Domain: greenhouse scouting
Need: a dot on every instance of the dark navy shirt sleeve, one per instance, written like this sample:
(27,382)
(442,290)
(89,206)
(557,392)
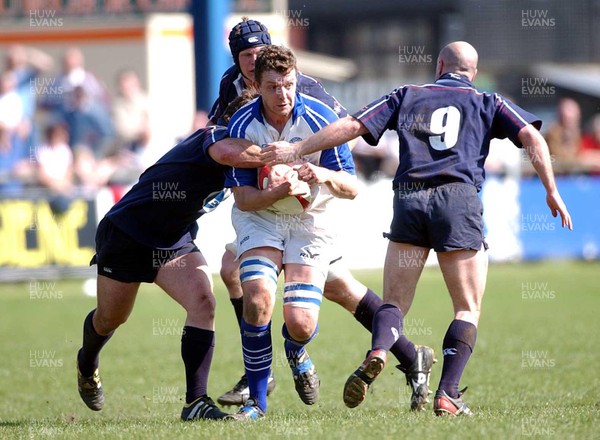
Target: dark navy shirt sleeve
(509,119)
(240,176)
(214,134)
(380,115)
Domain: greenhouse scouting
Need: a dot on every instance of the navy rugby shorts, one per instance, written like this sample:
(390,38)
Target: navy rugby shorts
(123,259)
(443,218)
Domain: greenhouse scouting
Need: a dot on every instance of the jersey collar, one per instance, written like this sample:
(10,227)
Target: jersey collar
(454,80)
(239,84)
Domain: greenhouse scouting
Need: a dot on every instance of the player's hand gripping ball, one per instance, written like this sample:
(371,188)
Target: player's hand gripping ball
(289,205)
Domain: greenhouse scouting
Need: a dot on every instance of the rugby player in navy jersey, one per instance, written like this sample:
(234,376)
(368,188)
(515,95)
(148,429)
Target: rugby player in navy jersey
(246,40)
(436,205)
(148,237)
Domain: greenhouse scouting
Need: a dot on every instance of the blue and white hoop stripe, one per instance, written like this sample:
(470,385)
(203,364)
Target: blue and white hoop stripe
(256,267)
(258,360)
(303,295)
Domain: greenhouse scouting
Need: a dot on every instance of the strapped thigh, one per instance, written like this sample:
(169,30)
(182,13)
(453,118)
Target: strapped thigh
(257,267)
(302,295)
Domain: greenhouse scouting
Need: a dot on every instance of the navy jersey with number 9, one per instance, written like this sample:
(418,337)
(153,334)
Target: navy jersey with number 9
(444,129)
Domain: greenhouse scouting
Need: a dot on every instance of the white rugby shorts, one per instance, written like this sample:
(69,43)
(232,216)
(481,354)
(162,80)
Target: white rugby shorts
(294,235)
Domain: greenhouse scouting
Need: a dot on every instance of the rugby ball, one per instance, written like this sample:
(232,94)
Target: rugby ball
(288,205)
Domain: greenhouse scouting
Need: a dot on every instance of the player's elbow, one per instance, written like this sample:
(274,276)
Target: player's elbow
(242,201)
(529,136)
(225,156)
(351,187)
(345,192)
(244,206)
(350,193)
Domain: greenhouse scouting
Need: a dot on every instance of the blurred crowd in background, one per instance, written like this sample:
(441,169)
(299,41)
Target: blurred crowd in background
(60,129)
(64,131)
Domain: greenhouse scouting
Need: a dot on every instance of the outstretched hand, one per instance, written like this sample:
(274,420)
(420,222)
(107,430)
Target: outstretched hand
(557,206)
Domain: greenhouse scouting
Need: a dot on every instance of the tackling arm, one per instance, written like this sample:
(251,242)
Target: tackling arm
(238,153)
(249,198)
(538,153)
(336,133)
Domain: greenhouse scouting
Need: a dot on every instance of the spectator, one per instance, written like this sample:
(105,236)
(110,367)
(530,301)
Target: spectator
(11,106)
(55,167)
(130,113)
(12,144)
(75,75)
(589,153)
(132,129)
(83,105)
(90,136)
(564,136)
(27,63)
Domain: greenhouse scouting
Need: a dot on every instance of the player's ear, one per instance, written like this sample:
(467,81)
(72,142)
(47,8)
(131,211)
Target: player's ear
(474,75)
(256,85)
(439,68)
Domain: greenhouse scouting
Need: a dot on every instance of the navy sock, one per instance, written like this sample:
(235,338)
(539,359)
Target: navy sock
(87,356)
(458,345)
(197,347)
(258,355)
(295,349)
(366,308)
(387,332)
(238,307)
(403,349)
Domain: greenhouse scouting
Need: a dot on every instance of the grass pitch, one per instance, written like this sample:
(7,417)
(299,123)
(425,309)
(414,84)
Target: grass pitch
(534,372)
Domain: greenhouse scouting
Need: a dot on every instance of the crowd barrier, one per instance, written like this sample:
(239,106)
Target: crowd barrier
(36,243)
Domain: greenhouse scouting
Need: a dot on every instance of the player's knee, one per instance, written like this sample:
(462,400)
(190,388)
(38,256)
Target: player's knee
(258,304)
(229,271)
(300,328)
(202,302)
(256,296)
(302,302)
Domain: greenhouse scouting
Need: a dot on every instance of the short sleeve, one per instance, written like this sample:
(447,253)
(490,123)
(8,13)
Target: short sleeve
(509,119)
(241,177)
(379,116)
(338,159)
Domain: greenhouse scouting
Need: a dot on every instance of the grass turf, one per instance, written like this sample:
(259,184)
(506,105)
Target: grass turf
(533,373)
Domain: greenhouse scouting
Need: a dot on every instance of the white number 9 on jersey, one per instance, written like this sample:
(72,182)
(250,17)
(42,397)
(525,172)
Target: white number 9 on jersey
(448,132)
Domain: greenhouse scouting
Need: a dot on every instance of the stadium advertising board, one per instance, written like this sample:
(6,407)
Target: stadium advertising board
(33,236)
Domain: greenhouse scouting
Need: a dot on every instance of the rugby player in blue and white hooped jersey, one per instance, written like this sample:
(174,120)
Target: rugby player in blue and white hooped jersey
(246,40)
(148,237)
(445,129)
(267,240)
